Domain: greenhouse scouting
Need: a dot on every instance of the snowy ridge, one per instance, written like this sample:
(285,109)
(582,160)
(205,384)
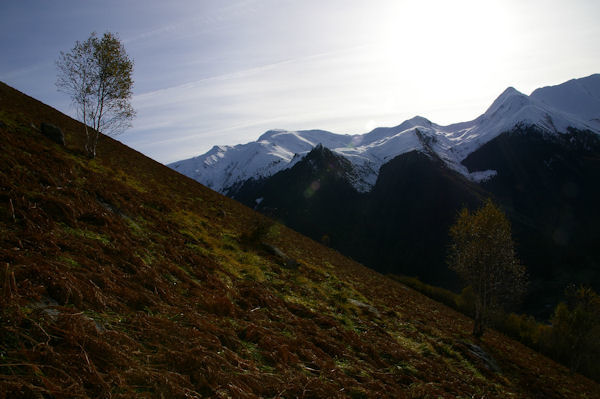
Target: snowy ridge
(578,97)
(575,103)
(224,166)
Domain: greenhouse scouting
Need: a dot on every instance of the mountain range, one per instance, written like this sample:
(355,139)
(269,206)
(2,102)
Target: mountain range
(574,104)
(388,197)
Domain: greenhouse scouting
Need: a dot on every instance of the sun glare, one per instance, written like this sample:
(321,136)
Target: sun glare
(433,47)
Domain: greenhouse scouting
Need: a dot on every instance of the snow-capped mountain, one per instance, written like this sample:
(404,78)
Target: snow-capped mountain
(577,97)
(553,110)
(224,166)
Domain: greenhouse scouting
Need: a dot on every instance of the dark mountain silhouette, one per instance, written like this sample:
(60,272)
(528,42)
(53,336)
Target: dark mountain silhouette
(546,184)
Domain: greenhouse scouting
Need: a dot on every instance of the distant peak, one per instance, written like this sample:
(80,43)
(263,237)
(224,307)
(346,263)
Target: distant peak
(510,91)
(580,97)
(217,148)
(319,151)
(270,133)
(412,123)
(509,99)
(588,82)
(419,120)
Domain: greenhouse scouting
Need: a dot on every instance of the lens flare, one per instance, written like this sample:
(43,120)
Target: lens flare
(312,189)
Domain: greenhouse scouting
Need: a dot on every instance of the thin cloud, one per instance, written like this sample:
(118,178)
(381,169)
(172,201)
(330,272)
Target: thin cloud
(215,72)
(203,18)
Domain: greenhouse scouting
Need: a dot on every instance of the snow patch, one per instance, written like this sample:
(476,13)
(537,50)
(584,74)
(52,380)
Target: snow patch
(482,176)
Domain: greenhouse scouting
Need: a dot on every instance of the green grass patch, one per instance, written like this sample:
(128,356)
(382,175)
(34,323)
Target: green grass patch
(87,234)
(69,261)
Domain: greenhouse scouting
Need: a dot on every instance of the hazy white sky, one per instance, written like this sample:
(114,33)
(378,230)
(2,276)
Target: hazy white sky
(217,72)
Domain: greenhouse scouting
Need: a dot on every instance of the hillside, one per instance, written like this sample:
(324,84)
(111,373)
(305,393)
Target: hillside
(122,278)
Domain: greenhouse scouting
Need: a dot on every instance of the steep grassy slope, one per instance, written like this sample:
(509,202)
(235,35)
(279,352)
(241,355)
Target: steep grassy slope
(121,278)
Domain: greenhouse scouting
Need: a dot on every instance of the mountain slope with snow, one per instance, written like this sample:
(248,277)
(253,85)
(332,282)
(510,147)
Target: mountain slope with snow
(578,97)
(224,166)
(553,110)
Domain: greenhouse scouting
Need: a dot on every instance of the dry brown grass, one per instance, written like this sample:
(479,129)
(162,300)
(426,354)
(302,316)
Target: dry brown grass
(121,278)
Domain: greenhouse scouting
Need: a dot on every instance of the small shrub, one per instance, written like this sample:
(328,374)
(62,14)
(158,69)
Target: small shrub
(262,230)
(442,295)
(466,301)
(523,328)
(575,333)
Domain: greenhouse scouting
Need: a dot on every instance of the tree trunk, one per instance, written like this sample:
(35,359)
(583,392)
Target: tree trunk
(478,319)
(87,141)
(96,135)
(478,328)
(87,132)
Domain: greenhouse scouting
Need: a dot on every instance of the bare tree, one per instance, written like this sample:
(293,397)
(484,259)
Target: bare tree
(97,74)
(482,253)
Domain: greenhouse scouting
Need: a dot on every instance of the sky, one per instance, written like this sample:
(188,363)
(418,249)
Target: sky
(222,72)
